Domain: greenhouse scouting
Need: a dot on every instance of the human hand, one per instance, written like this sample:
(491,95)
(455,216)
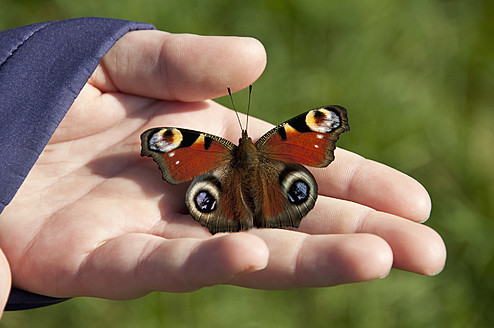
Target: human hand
(94,218)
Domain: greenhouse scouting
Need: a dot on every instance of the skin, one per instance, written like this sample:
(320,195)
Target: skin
(94,218)
(5,281)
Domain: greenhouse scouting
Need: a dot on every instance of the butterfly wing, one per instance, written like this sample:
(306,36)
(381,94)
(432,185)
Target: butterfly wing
(278,195)
(216,200)
(288,192)
(307,139)
(183,154)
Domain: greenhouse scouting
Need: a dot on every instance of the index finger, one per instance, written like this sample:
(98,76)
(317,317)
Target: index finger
(181,67)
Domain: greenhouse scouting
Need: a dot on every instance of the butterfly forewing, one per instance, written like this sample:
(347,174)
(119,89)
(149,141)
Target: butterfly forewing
(307,139)
(183,154)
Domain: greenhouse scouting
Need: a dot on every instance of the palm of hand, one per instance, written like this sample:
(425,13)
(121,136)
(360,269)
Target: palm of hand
(94,218)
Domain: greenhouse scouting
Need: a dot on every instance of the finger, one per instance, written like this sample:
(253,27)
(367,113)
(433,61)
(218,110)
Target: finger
(302,260)
(5,281)
(181,67)
(135,264)
(354,178)
(416,247)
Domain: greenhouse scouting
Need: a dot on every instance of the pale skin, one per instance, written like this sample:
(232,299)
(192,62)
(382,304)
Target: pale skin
(94,218)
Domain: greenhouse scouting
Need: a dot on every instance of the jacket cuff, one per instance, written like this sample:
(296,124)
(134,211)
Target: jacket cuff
(43,67)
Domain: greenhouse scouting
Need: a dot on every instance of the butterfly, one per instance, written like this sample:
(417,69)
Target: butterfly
(261,184)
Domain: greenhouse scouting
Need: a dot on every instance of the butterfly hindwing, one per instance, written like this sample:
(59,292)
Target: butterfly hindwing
(215,200)
(287,197)
(279,195)
(307,139)
(183,154)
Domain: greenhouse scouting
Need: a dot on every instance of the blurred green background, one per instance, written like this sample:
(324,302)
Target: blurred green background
(418,80)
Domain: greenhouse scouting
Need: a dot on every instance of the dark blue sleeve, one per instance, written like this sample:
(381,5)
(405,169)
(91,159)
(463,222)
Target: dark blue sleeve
(43,67)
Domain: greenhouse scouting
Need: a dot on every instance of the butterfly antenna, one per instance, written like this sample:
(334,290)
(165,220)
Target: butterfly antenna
(248,109)
(235,109)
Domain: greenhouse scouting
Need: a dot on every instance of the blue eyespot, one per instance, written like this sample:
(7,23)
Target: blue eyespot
(205,202)
(299,192)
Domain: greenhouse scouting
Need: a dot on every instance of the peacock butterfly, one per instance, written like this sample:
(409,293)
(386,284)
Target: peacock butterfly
(262,184)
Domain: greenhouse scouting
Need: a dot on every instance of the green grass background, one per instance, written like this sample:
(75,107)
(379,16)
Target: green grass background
(418,80)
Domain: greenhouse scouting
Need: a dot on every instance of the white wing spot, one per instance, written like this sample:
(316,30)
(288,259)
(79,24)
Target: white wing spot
(316,146)
(320,136)
(171,154)
(177,162)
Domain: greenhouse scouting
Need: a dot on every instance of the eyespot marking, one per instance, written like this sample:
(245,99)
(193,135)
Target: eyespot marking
(299,192)
(204,201)
(165,140)
(322,120)
(203,196)
(296,186)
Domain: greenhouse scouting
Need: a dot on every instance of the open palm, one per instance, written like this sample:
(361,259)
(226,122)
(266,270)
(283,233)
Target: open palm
(94,218)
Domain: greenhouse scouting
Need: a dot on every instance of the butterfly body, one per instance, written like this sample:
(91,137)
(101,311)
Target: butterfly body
(260,184)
